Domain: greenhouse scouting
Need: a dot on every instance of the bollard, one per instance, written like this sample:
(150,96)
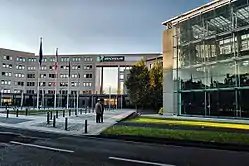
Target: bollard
(17,112)
(47,117)
(85,110)
(66,123)
(51,115)
(75,112)
(63,113)
(26,111)
(85,126)
(54,121)
(69,112)
(7,113)
(56,113)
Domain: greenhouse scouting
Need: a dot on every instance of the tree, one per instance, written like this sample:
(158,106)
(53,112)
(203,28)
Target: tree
(137,84)
(156,85)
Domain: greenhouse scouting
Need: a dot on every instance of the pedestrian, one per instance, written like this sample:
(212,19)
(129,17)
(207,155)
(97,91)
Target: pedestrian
(98,110)
(102,111)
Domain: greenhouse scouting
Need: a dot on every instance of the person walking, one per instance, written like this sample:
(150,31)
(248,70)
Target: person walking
(98,110)
(102,110)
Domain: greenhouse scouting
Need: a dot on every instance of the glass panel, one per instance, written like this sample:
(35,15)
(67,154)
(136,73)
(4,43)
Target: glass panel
(193,103)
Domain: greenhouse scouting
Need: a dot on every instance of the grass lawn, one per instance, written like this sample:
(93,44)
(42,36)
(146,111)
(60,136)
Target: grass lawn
(194,135)
(35,112)
(150,120)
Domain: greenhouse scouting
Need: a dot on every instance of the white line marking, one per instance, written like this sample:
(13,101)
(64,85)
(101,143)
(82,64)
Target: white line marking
(42,147)
(139,161)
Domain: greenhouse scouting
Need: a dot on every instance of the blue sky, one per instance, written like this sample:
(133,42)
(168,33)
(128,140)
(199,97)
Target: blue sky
(88,26)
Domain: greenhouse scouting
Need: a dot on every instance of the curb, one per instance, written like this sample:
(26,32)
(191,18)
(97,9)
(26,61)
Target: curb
(187,143)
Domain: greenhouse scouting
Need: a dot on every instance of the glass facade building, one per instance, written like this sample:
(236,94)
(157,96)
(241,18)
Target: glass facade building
(211,61)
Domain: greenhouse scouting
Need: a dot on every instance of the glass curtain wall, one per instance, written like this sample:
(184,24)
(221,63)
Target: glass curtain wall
(211,62)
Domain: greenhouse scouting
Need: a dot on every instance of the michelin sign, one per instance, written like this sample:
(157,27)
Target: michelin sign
(111,58)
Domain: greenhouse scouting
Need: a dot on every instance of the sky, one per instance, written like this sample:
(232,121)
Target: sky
(88,26)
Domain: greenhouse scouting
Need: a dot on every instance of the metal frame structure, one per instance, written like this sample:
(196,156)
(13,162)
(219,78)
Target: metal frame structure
(211,59)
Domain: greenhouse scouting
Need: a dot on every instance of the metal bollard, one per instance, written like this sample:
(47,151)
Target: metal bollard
(85,126)
(85,110)
(54,121)
(7,113)
(56,113)
(69,112)
(75,112)
(66,123)
(17,112)
(63,113)
(47,117)
(51,115)
(26,111)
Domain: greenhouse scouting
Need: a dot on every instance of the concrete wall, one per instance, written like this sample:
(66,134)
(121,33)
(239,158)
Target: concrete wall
(168,83)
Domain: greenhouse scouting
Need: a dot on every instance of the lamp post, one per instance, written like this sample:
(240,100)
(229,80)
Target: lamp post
(110,91)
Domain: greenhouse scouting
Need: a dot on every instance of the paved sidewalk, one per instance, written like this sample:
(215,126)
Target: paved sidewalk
(76,124)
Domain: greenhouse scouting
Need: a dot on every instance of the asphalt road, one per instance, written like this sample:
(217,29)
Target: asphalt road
(53,150)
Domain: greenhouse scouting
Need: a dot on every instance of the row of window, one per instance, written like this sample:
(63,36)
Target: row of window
(62,59)
(42,91)
(22,67)
(62,84)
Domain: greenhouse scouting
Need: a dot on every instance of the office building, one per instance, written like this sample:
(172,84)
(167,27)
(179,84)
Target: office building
(19,77)
(206,61)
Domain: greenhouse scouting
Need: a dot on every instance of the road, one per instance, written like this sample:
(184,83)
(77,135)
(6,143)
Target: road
(53,150)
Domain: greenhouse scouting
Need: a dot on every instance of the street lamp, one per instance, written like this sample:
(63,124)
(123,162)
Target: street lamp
(110,91)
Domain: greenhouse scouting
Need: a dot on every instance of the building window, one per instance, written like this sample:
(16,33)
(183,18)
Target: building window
(44,60)
(76,67)
(42,83)
(20,59)
(51,67)
(17,91)
(20,67)
(7,65)
(63,75)
(87,84)
(75,75)
(77,59)
(51,75)
(88,67)
(63,84)
(74,84)
(7,57)
(31,68)
(30,75)
(5,90)
(19,83)
(51,92)
(43,75)
(19,75)
(88,75)
(73,92)
(65,67)
(43,68)
(30,83)
(7,74)
(51,84)
(88,59)
(32,59)
(63,91)
(30,91)
(5,82)
(52,59)
(63,59)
